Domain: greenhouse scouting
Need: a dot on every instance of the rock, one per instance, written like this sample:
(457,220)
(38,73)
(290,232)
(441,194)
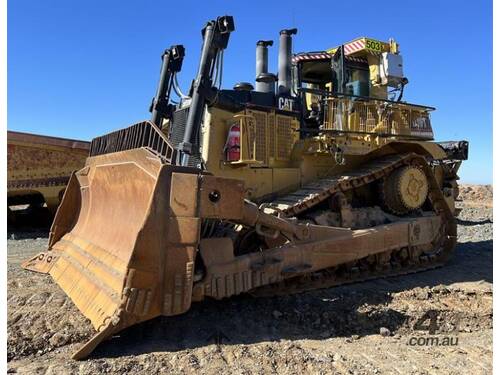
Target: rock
(421,294)
(193,361)
(355,337)
(385,332)
(58,339)
(440,289)
(277,314)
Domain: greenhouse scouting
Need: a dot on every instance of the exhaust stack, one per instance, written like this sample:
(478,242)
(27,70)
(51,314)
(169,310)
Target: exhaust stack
(285,62)
(263,81)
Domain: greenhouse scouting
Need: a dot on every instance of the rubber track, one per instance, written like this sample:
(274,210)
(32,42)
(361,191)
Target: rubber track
(314,193)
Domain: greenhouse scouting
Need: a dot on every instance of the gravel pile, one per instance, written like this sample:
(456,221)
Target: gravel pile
(476,194)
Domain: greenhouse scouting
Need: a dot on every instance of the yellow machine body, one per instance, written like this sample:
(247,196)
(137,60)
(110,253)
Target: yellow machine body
(267,203)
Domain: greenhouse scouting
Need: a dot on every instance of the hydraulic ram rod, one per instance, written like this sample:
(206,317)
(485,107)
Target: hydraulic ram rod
(171,63)
(215,38)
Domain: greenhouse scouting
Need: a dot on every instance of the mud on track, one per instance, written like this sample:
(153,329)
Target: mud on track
(364,328)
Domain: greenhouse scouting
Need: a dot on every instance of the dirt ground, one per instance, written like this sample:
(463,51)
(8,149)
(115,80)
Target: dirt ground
(367,328)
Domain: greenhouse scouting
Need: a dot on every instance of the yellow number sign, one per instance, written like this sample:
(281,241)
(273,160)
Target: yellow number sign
(375,45)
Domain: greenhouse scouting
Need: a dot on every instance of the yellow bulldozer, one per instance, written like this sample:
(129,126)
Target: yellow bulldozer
(317,176)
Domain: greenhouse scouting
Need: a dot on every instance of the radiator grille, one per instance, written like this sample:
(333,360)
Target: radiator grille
(176,135)
(260,136)
(284,135)
(272,136)
(177,126)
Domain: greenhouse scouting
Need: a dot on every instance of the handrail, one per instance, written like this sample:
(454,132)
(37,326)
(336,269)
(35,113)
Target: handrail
(343,115)
(248,140)
(366,98)
(383,135)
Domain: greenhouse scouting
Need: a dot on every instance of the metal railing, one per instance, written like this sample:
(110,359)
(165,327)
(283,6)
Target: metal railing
(366,115)
(377,117)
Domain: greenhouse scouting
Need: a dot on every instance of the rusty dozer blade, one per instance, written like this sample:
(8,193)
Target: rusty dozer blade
(117,248)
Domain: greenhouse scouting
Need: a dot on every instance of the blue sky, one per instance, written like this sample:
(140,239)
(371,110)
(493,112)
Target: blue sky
(79,69)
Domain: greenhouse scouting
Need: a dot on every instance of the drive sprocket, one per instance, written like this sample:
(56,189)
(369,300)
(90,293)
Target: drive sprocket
(405,189)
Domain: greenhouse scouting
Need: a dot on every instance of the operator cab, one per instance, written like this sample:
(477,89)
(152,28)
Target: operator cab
(318,74)
(362,69)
